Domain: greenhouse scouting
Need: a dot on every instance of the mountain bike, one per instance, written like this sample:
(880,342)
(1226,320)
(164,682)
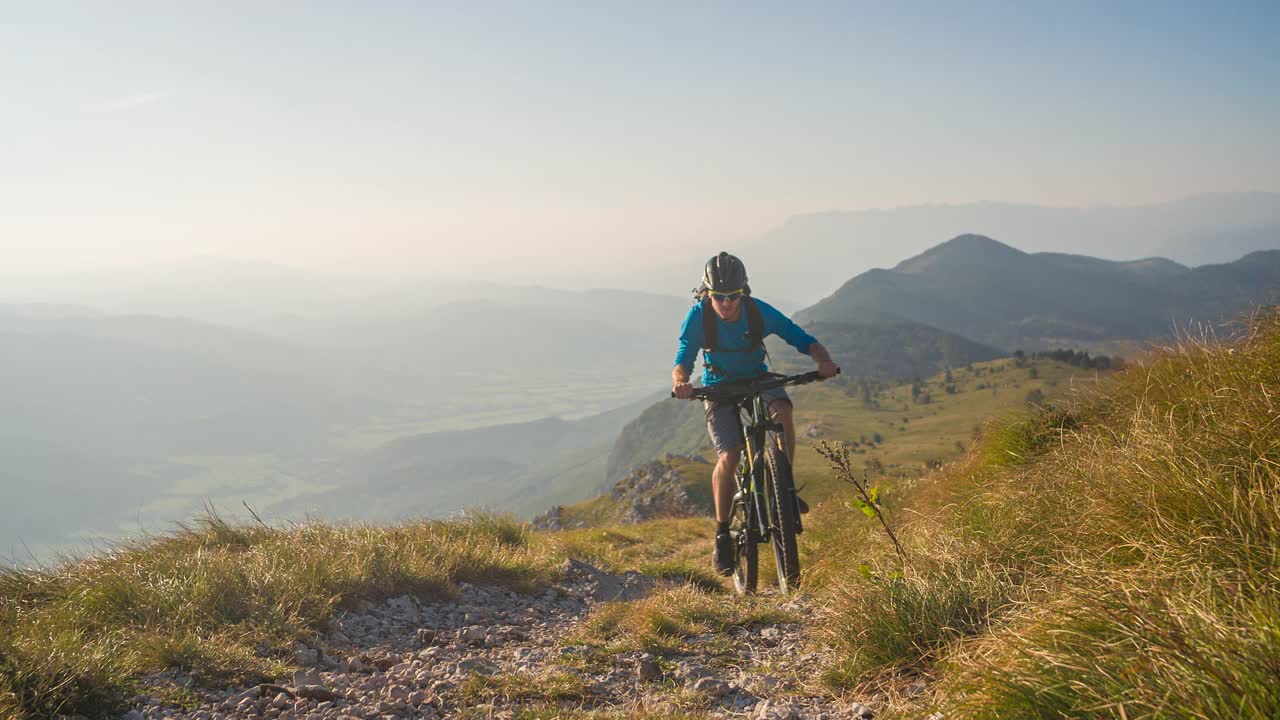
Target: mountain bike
(764,504)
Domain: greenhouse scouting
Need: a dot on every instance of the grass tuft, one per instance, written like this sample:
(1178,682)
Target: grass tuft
(663,622)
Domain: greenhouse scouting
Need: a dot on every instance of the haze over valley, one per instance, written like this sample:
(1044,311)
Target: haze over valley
(135,400)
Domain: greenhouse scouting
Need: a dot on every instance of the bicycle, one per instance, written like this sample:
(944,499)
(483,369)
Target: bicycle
(764,503)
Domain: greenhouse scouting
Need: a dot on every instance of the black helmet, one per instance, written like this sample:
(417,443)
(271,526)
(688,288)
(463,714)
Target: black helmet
(725,273)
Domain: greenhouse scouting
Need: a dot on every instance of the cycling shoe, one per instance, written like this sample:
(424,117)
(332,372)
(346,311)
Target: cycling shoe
(723,555)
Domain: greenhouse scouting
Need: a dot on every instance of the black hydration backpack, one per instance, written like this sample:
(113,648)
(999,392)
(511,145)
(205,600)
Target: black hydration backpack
(755,326)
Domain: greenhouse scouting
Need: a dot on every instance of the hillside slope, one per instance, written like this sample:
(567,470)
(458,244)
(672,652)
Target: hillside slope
(517,467)
(884,347)
(901,431)
(1113,557)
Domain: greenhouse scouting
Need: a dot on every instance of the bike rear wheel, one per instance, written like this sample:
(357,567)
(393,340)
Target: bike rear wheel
(784,517)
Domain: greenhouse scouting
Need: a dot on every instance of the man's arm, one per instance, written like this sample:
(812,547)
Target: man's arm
(687,352)
(826,366)
(680,382)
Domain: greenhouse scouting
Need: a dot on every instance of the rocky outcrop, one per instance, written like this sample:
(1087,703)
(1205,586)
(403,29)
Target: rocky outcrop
(652,491)
(552,519)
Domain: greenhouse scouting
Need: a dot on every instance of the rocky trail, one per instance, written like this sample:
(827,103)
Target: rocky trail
(493,653)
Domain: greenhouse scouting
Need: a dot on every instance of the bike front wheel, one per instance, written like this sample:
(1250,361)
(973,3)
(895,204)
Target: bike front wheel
(746,550)
(784,519)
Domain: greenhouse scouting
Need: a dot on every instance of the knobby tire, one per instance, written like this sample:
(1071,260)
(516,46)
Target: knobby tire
(782,488)
(746,551)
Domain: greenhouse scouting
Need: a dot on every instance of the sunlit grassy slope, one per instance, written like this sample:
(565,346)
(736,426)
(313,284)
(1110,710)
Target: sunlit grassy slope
(904,436)
(913,435)
(1117,557)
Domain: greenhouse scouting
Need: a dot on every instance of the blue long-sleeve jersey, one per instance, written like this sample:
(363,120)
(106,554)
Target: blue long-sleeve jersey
(732,336)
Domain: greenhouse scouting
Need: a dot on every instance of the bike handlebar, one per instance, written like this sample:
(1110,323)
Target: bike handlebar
(740,390)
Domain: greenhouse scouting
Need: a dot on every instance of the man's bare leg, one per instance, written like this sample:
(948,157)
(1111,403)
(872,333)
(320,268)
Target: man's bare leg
(722,484)
(722,488)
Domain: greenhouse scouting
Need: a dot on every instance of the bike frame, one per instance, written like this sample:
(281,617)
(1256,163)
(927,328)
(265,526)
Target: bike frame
(756,425)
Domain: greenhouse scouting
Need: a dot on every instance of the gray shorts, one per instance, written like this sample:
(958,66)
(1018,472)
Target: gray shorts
(722,420)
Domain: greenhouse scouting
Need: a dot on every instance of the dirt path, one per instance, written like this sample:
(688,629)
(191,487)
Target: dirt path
(498,654)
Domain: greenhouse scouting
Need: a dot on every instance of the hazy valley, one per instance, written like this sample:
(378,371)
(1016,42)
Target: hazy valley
(416,401)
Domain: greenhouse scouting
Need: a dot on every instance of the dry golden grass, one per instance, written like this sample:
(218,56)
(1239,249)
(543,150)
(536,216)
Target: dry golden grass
(1119,557)
(225,602)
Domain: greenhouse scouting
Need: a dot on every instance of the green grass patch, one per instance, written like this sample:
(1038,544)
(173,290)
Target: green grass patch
(694,572)
(663,622)
(672,548)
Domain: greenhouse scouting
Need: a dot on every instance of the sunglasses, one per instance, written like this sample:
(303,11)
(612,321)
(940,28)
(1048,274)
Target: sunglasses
(726,296)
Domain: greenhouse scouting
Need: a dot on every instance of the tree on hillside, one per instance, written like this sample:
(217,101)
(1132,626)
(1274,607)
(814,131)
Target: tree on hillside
(1081,359)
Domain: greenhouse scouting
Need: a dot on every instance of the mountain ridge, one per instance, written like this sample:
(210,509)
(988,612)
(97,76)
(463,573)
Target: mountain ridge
(1196,230)
(992,293)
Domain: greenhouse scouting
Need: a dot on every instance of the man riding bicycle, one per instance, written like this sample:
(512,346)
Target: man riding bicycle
(730,326)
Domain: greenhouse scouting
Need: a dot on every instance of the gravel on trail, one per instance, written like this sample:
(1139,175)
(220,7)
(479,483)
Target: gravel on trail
(494,653)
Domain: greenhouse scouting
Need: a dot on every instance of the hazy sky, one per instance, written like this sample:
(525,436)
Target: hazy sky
(413,135)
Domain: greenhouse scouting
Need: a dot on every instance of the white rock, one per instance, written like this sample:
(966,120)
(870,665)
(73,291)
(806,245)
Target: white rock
(648,669)
(859,710)
(767,710)
(712,686)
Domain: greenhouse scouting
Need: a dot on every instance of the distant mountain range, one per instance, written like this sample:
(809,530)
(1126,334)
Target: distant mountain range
(798,262)
(884,347)
(991,293)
